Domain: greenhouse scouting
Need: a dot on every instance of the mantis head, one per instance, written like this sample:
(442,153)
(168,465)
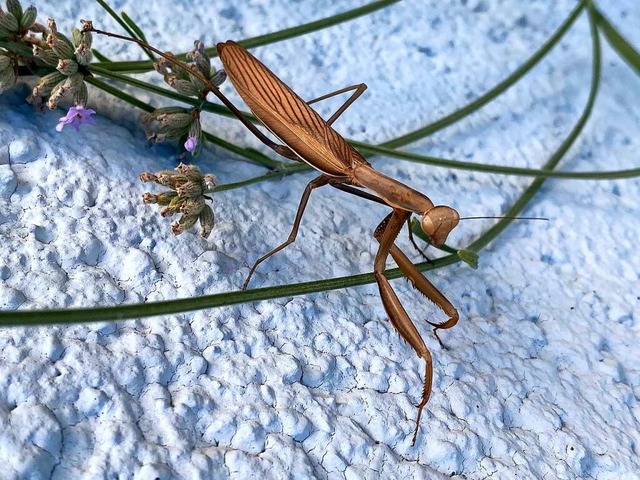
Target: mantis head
(438,221)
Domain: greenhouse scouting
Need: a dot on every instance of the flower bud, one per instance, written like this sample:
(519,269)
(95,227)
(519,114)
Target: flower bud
(86,25)
(219,77)
(51,25)
(76,36)
(4,62)
(184,87)
(184,223)
(7,77)
(169,210)
(195,135)
(14,7)
(192,206)
(46,84)
(46,55)
(67,67)
(56,94)
(81,95)
(38,28)
(148,197)
(209,181)
(207,221)
(189,190)
(200,58)
(28,18)
(175,120)
(61,45)
(83,54)
(166,198)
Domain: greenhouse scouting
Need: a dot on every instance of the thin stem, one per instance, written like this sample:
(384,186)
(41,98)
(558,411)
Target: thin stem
(125,25)
(365,148)
(496,169)
(620,44)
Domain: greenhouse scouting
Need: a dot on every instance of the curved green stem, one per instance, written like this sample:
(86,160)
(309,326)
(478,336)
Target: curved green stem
(620,44)
(365,148)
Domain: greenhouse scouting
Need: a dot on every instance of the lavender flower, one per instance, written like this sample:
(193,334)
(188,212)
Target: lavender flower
(75,117)
(191,144)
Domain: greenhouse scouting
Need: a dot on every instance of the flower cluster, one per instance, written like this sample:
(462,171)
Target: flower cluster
(175,122)
(69,58)
(180,123)
(15,23)
(187,196)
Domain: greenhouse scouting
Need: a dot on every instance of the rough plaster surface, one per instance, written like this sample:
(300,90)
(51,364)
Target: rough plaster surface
(540,379)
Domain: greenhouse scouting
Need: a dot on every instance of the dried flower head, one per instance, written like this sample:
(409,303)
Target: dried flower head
(187,196)
(69,57)
(8,70)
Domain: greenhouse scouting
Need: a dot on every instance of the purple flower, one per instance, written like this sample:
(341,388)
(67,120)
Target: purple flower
(75,117)
(191,144)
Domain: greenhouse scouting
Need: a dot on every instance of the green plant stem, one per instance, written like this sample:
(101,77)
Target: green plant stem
(128,25)
(496,169)
(365,148)
(620,44)
(260,40)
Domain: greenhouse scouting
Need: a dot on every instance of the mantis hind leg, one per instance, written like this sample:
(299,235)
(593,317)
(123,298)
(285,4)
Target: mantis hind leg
(313,184)
(386,234)
(359,90)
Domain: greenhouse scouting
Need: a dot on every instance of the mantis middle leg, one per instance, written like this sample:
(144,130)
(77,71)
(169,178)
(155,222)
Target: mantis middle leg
(313,184)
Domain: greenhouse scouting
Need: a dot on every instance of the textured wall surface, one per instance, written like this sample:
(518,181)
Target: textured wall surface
(540,378)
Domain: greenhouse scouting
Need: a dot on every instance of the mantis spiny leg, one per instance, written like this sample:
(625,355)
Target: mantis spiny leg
(386,234)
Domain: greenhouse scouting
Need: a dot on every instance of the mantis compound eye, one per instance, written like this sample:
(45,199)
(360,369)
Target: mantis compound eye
(438,222)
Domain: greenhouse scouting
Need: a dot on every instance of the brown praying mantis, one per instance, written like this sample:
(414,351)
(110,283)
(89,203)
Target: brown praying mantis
(308,138)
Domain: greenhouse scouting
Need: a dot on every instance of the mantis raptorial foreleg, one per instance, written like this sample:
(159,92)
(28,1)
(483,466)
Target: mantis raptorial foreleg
(386,234)
(421,283)
(313,184)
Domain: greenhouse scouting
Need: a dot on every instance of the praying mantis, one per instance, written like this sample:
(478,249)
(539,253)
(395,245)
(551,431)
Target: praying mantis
(306,137)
